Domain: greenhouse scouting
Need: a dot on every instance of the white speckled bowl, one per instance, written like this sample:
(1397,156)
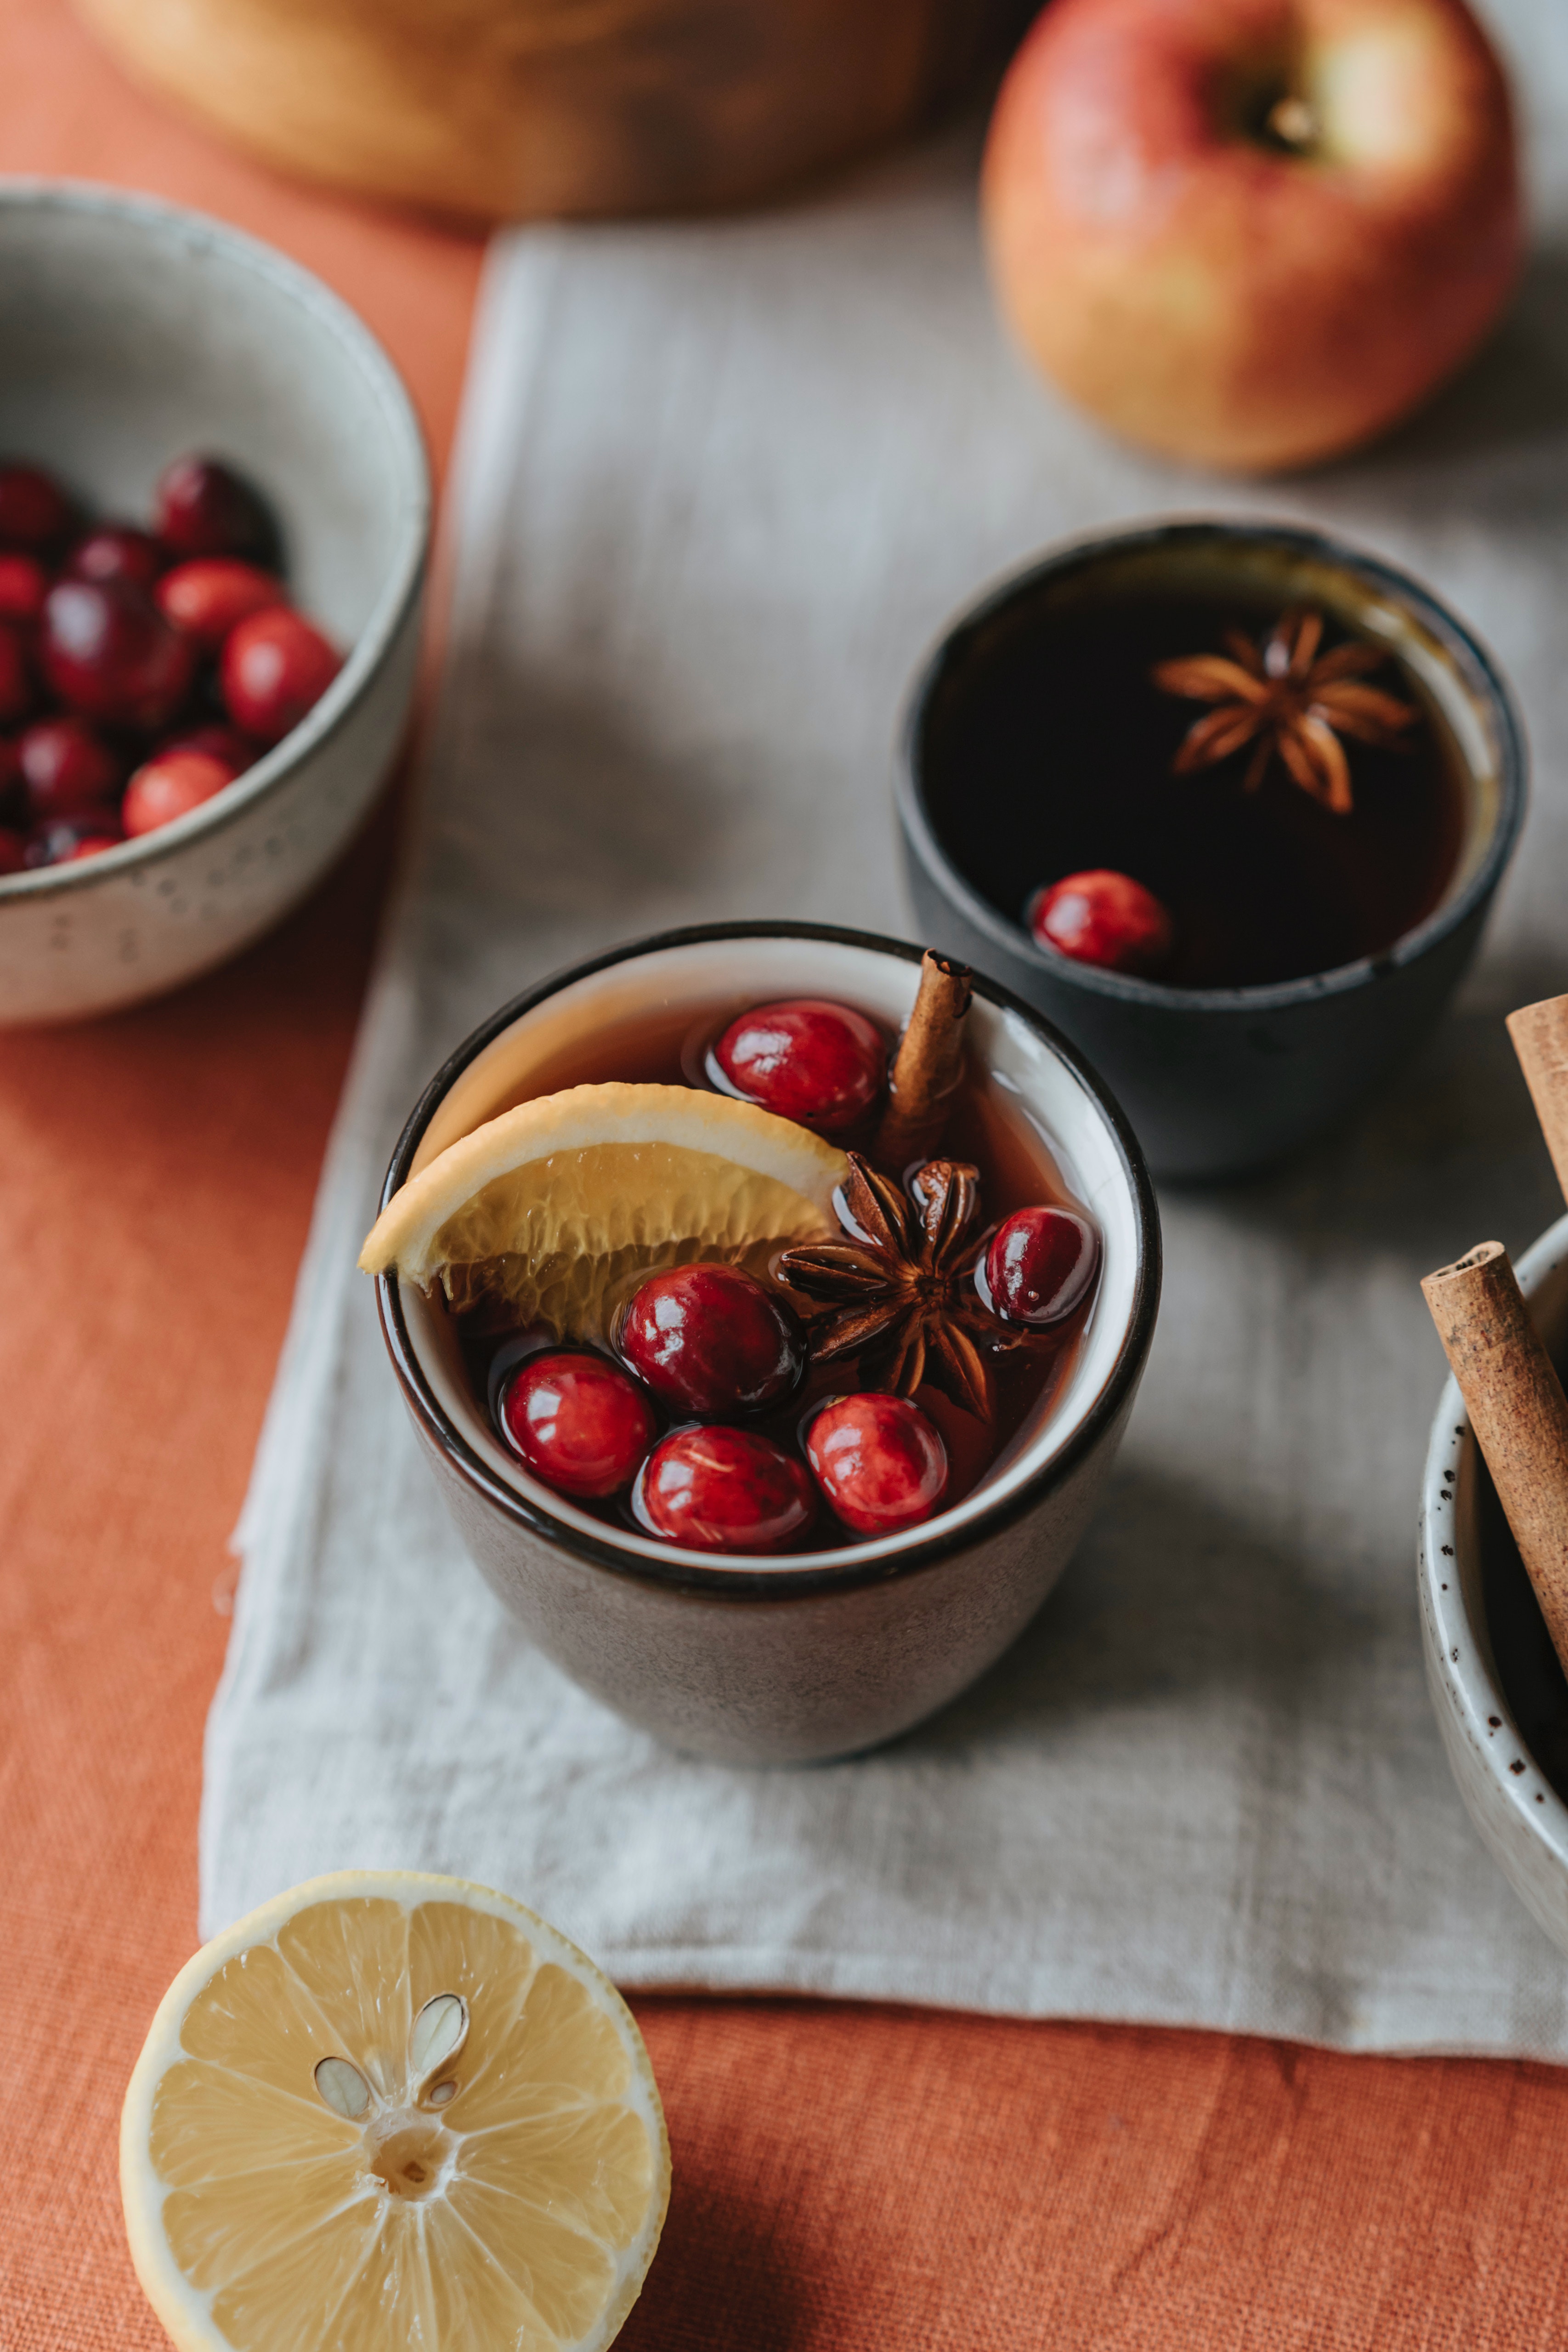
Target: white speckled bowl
(131,331)
(1500,1694)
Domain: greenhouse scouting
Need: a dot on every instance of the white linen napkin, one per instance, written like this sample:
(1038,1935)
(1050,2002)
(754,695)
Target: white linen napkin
(719,486)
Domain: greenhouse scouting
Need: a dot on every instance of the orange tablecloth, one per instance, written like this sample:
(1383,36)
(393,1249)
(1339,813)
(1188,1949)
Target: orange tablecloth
(844,2177)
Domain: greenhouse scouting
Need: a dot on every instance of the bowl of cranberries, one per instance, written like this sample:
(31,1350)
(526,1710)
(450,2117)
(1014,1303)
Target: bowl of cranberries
(1229,803)
(771,1391)
(214,513)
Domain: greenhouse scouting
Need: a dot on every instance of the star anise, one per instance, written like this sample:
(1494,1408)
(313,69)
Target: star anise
(1284,695)
(899,1283)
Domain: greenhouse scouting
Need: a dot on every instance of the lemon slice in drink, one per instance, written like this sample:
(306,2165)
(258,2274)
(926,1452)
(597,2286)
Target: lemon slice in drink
(393,2112)
(556,1208)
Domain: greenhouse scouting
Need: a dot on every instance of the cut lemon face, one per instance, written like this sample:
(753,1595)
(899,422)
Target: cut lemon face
(391,2110)
(556,1209)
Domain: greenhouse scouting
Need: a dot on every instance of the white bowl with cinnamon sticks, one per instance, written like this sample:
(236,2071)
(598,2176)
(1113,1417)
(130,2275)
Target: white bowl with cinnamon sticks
(1493,1554)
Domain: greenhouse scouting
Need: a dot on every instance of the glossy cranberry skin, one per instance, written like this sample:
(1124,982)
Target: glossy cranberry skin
(722,1489)
(236,752)
(212,595)
(202,509)
(34,510)
(68,768)
(1104,919)
(171,786)
(24,585)
(110,654)
(879,1460)
(578,1423)
(117,551)
(710,1340)
(1040,1264)
(66,837)
(13,852)
(276,665)
(16,680)
(821,1063)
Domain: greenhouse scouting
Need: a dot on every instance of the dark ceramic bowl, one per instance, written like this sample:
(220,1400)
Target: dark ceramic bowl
(1215,1080)
(816,1653)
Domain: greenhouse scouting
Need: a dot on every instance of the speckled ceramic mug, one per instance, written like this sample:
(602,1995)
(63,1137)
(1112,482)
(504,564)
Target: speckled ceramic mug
(815,1654)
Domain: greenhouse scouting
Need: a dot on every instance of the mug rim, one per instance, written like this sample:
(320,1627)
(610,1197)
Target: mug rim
(1081,554)
(776,1583)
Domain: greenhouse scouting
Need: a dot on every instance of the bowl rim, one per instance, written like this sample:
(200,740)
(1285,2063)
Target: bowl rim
(180,225)
(1458,1651)
(777,1582)
(1080,553)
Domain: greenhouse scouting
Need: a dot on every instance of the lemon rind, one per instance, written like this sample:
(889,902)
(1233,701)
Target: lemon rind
(184,2310)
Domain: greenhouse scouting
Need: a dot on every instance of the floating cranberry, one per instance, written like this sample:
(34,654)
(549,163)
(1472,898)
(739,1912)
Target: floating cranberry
(821,1063)
(579,1423)
(172,785)
(202,509)
(724,1490)
(276,667)
(880,1462)
(16,682)
(68,768)
(212,595)
(110,654)
(1041,1265)
(13,852)
(710,1340)
(236,752)
(117,551)
(66,837)
(24,583)
(34,510)
(1103,919)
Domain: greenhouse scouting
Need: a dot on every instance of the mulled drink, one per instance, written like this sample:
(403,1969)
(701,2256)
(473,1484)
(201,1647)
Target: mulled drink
(1199,784)
(758,1278)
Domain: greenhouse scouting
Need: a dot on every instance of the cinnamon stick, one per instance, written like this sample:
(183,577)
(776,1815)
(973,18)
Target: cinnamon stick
(928,1065)
(1517,1410)
(1540,1033)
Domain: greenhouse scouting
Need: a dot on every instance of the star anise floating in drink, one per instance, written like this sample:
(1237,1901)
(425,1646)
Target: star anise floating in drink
(1284,697)
(901,1283)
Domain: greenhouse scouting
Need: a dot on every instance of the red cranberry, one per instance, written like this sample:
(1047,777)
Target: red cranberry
(579,1423)
(213,593)
(15,681)
(1041,1265)
(710,1340)
(24,583)
(172,785)
(67,768)
(117,551)
(202,509)
(57,843)
(13,852)
(34,510)
(821,1063)
(236,752)
(1103,918)
(880,1462)
(109,653)
(724,1490)
(276,665)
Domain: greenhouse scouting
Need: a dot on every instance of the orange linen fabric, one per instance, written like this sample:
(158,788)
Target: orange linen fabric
(844,2178)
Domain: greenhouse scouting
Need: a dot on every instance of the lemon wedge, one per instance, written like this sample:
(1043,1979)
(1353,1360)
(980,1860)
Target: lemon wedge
(559,1207)
(391,2110)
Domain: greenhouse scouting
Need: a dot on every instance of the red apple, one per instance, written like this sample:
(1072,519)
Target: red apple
(1252,232)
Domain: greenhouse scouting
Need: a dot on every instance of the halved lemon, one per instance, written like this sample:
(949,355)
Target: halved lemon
(389,2111)
(557,1207)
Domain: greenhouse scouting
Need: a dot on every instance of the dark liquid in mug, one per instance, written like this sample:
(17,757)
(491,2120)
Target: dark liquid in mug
(1049,752)
(987,1126)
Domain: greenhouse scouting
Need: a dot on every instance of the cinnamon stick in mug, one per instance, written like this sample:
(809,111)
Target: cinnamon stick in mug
(928,1065)
(1517,1410)
(1540,1033)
